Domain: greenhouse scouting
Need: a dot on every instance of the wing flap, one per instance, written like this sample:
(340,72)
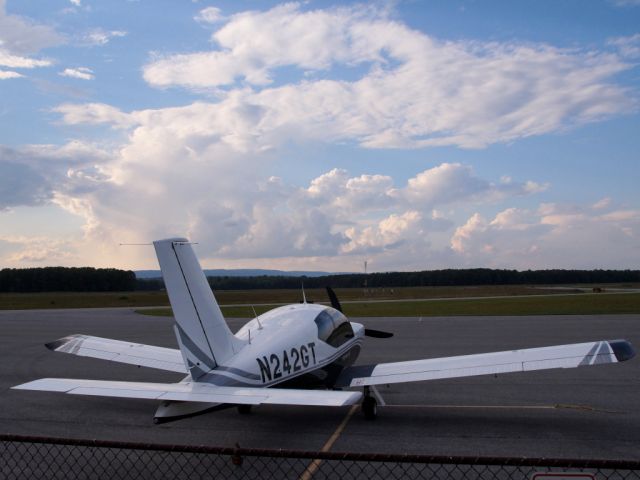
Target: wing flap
(560,356)
(138,354)
(193,392)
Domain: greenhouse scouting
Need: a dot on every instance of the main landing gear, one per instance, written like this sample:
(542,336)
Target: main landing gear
(369,405)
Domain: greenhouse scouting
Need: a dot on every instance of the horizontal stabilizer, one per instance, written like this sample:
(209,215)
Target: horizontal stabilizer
(138,354)
(193,392)
(560,356)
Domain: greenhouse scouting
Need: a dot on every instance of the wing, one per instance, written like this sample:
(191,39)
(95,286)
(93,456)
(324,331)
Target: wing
(561,356)
(124,352)
(193,392)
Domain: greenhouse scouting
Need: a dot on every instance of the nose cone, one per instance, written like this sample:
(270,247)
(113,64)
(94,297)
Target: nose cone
(358,329)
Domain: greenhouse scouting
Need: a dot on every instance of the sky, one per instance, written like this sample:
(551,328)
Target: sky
(316,135)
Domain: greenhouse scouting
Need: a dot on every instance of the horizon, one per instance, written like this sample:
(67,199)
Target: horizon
(315,136)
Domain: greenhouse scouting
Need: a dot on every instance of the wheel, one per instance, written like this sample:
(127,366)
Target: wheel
(244,409)
(370,408)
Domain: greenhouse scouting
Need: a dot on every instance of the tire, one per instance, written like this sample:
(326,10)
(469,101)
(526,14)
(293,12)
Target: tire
(370,408)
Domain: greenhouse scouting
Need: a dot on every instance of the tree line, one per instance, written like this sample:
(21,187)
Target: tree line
(87,279)
(448,277)
(66,279)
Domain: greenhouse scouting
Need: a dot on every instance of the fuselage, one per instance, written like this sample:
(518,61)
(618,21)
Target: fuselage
(299,345)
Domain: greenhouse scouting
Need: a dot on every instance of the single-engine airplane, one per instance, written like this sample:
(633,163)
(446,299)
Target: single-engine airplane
(300,354)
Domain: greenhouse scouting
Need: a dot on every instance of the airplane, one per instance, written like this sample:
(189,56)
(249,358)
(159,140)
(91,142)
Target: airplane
(299,354)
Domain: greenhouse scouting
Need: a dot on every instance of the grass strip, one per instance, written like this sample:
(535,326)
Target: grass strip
(586,304)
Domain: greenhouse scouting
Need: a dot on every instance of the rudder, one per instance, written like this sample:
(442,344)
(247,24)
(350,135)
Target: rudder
(202,332)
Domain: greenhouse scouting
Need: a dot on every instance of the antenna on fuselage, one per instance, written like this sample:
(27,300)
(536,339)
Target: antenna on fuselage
(255,315)
(304,297)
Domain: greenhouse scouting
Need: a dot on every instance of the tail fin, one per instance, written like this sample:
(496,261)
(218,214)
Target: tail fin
(203,334)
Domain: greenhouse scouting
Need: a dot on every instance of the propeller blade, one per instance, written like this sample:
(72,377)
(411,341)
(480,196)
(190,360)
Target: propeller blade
(377,333)
(335,303)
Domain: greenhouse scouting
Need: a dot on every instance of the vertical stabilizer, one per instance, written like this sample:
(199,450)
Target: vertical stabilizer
(203,335)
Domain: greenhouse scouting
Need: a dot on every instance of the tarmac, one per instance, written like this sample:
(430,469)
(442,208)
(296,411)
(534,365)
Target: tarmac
(589,412)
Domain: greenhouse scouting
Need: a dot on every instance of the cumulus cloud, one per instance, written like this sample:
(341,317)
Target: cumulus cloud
(414,91)
(82,73)
(392,232)
(553,236)
(170,178)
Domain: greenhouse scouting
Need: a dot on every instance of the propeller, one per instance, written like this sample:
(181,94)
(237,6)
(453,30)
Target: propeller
(369,332)
(335,303)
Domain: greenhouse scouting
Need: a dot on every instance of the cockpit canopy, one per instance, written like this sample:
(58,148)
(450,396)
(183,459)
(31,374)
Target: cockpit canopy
(333,327)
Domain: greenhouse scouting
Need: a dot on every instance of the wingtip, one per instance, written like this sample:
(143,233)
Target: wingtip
(622,349)
(56,344)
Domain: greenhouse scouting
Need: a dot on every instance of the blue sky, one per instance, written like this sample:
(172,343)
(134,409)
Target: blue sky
(314,135)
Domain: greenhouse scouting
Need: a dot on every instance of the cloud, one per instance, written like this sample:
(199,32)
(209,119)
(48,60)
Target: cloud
(15,61)
(209,15)
(32,175)
(4,75)
(626,3)
(21,185)
(553,236)
(20,38)
(629,47)
(93,114)
(364,79)
(36,249)
(455,183)
(82,73)
(413,91)
(179,172)
(394,232)
(100,37)
(169,179)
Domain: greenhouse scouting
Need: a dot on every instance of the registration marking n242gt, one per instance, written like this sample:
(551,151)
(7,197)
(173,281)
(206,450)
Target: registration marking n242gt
(293,360)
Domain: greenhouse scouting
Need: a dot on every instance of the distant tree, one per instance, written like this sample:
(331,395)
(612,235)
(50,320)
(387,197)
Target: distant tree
(64,279)
(447,277)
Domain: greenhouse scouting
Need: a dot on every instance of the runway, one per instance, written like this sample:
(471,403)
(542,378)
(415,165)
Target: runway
(587,412)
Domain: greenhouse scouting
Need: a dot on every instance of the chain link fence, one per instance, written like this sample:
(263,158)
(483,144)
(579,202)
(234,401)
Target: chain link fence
(55,458)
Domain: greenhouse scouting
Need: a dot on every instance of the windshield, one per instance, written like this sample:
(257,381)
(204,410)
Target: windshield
(333,327)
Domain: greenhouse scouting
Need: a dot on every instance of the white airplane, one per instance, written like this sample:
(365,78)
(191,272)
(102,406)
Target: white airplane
(301,354)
